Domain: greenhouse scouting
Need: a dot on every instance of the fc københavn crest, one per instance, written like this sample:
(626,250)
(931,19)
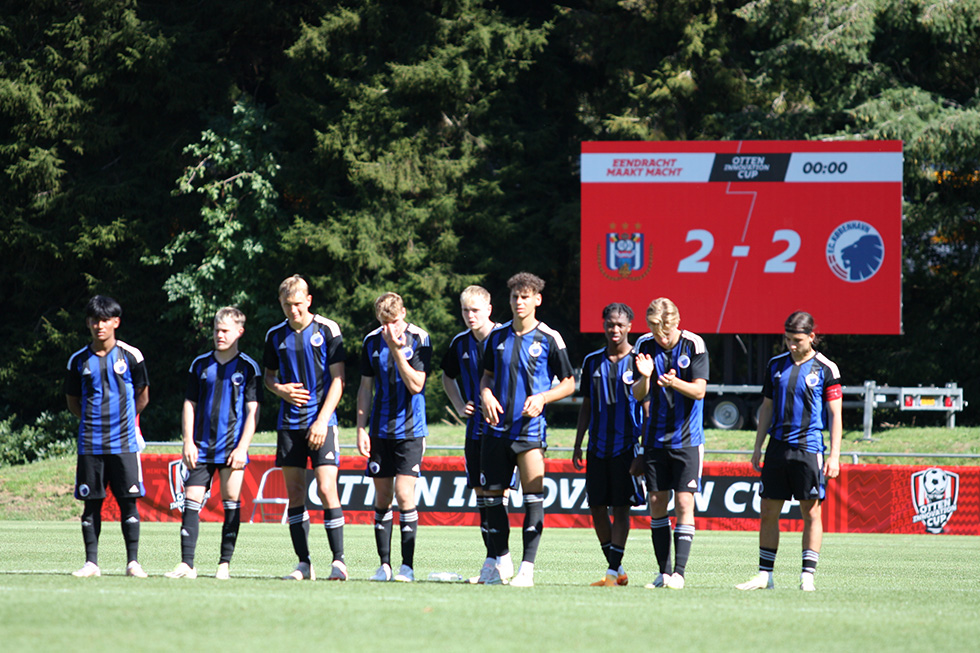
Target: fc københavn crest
(934,495)
(625,255)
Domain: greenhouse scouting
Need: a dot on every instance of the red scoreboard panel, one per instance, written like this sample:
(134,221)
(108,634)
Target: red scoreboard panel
(742,233)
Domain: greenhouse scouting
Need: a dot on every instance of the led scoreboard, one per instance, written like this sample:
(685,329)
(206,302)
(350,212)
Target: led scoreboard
(742,233)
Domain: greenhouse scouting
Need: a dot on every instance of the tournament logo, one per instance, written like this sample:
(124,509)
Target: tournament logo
(238,378)
(934,495)
(684,361)
(120,367)
(176,473)
(855,251)
(624,255)
(535,349)
(317,339)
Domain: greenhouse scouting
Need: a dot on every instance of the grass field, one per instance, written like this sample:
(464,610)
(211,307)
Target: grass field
(875,592)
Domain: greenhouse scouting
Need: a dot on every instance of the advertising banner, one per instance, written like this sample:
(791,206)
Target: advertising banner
(742,233)
(865,499)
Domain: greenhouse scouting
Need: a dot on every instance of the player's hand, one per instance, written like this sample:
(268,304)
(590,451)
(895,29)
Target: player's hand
(393,336)
(469,409)
(189,455)
(636,467)
(533,405)
(831,467)
(363,442)
(317,434)
(667,380)
(757,460)
(294,393)
(577,459)
(492,410)
(644,365)
(238,458)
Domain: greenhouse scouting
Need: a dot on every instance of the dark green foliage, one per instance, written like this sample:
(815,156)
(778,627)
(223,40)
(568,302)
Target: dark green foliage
(51,435)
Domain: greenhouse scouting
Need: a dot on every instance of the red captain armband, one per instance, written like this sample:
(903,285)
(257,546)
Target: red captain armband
(833,392)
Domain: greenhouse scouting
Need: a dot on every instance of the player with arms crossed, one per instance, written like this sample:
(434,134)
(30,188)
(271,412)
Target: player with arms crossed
(107,387)
(613,418)
(221,410)
(673,370)
(304,366)
(462,367)
(800,387)
(395,362)
(520,360)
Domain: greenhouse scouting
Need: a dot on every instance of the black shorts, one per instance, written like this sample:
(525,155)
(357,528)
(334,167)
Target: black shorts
(202,474)
(390,458)
(608,481)
(498,461)
(122,471)
(789,473)
(471,458)
(293,451)
(674,469)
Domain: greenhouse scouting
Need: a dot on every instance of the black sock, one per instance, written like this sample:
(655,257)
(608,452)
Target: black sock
(533,525)
(333,522)
(605,552)
(91,529)
(767,559)
(498,526)
(409,525)
(299,532)
(481,505)
(810,558)
(683,539)
(382,534)
(615,556)
(660,531)
(190,526)
(129,518)
(229,529)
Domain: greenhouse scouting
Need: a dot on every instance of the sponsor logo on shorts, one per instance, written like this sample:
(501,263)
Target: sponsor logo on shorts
(855,251)
(684,361)
(120,367)
(84,490)
(934,495)
(374,467)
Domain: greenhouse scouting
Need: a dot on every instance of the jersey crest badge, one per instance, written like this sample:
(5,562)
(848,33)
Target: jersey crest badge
(628,377)
(934,495)
(535,349)
(812,379)
(317,339)
(625,255)
(238,378)
(683,361)
(407,352)
(120,366)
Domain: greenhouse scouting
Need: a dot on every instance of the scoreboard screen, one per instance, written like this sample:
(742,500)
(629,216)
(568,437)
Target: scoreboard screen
(739,234)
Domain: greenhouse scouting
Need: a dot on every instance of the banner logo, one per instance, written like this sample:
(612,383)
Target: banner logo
(176,473)
(624,255)
(934,495)
(855,251)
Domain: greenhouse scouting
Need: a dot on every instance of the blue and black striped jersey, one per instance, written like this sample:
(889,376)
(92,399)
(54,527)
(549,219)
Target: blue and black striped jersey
(395,412)
(107,387)
(304,357)
(799,394)
(463,363)
(675,421)
(220,393)
(523,366)
(616,417)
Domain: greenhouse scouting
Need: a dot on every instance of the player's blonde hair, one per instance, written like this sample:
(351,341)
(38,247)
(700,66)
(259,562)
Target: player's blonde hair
(388,307)
(230,314)
(474,292)
(662,314)
(292,286)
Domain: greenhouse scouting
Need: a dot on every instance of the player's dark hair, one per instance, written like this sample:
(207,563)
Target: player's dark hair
(526,281)
(801,322)
(617,308)
(101,307)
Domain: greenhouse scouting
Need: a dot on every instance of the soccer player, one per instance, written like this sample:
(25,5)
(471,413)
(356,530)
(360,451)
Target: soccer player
(520,360)
(304,366)
(107,387)
(395,361)
(672,368)
(221,410)
(462,367)
(613,418)
(801,387)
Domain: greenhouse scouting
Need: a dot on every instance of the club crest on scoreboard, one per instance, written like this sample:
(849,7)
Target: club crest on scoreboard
(855,251)
(934,495)
(624,256)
